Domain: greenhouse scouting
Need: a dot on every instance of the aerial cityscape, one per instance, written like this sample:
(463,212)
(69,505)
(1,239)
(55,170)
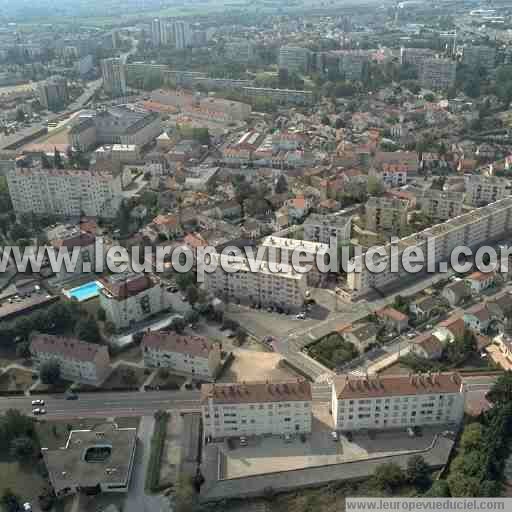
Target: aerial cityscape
(255,256)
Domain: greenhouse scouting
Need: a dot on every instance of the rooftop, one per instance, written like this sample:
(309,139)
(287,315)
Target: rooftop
(69,348)
(170,341)
(71,466)
(257,392)
(349,386)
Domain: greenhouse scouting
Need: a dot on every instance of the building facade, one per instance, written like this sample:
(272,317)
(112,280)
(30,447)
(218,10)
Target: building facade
(256,408)
(440,206)
(194,356)
(396,401)
(114,80)
(67,193)
(481,190)
(79,361)
(128,298)
(322,228)
(386,213)
(258,286)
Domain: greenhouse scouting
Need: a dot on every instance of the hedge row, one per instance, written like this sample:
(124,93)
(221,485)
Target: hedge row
(157,448)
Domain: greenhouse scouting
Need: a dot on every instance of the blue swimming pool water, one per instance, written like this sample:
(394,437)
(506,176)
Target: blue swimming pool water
(85,292)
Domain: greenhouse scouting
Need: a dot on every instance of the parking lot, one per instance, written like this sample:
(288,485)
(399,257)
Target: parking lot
(272,454)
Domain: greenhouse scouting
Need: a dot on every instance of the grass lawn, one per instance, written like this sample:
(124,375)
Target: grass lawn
(24,480)
(16,380)
(332,350)
(132,354)
(54,434)
(124,376)
(166,380)
(61,387)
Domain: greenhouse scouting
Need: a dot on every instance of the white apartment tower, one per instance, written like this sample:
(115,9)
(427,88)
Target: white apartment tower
(114,80)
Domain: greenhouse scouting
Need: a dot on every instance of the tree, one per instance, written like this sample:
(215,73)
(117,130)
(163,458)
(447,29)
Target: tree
(429,97)
(23,349)
(185,495)
(418,472)
(281,185)
(101,315)
(389,476)
(57,159)
(192,295)
(191,316)
(87,330)
(462,486)
(471,438)
(177,324)
(183,281)
(129,377)
(10,502)
(375,186)
(22,448)
(20,115)
(50,372)
(439,489)
(501,392)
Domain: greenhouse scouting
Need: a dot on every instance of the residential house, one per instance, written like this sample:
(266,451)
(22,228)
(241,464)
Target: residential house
(360,335)
(425,307)
(456,292)
(427,346)
(477,318)
(393,319)
(480,281)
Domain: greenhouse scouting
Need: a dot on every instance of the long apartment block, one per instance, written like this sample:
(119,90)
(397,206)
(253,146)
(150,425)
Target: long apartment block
(396,401)
(256,408)
(234,279)
(471,230)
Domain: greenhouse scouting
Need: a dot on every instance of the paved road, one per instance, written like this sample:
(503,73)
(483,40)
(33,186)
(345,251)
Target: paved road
(120,403)
(106,404)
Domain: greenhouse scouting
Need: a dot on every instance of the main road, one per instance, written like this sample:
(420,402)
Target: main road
(135,403)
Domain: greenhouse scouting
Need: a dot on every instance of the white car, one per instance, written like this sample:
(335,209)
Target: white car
(334,435)
(27,507)
(38,410)
(300,316)
(37,402)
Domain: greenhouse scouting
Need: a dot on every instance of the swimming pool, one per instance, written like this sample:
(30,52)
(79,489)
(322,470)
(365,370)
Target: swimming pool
(84,292)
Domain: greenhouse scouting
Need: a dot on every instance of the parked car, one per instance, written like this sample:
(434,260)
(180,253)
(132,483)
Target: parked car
(287,438)
(410,432)
(37,402)
(300,316)
(72,396)
(334,435)
(38,410)
(243,441)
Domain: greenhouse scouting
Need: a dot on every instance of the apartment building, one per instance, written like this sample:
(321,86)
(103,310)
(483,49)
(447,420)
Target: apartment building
(282,249)
(53,93)
(481,190)
(294,58)
(438,74)
(440,206)
(208,105)
(386,213)
(281,96)
(114,79)
(321,228)
(239,279)
(352,63)
(239,50)
(194,356)
(471,229)
(79,361)
(129,297)
(64,192)
(120,124)
(415,56)
(479,57)
(396,401)
(69,238)
(256,408)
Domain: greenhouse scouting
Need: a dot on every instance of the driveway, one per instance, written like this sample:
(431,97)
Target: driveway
(136,499)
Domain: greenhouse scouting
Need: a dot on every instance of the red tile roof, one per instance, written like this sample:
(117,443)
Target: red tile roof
(169,341)
(349,386)
(69,348)
(257,392)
